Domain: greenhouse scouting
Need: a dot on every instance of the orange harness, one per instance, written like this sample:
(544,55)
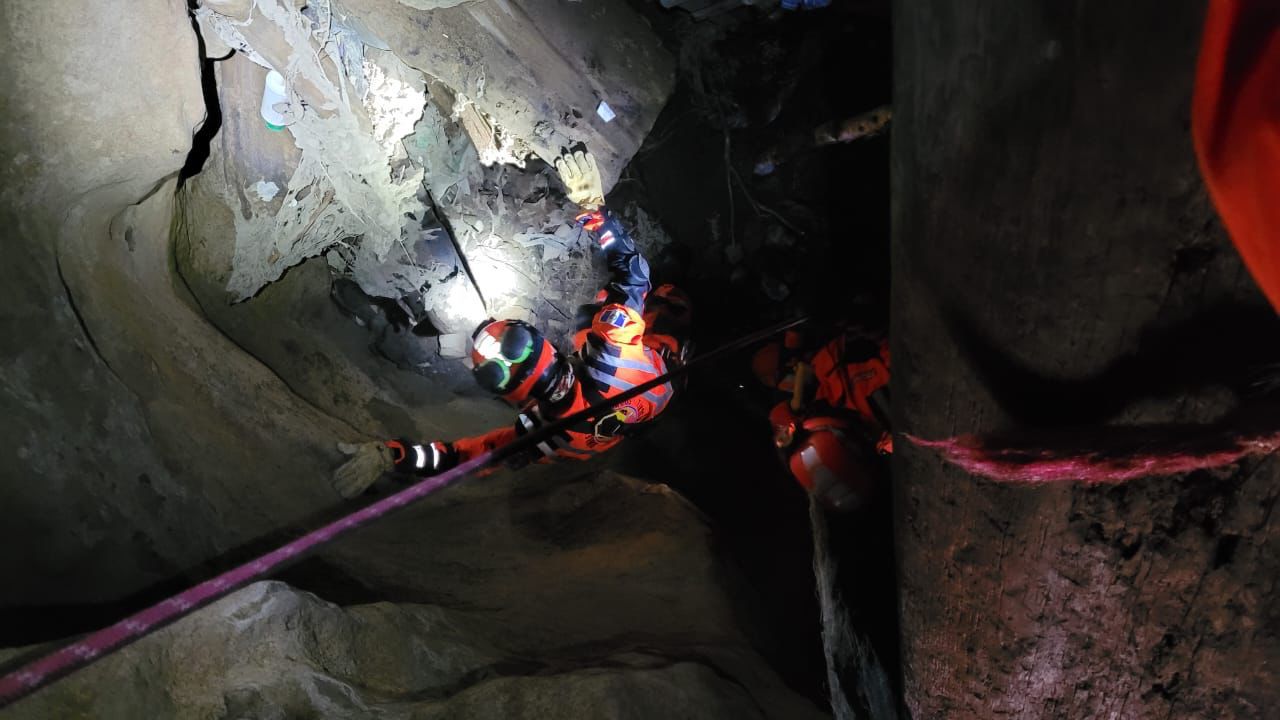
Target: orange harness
(616,352)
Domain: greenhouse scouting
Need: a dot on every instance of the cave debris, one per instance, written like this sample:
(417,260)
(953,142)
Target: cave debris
(275,101)
(331,127)
(400,174)
(266,190)
(454,345)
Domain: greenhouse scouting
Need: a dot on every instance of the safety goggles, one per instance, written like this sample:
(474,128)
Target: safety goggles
(491,349)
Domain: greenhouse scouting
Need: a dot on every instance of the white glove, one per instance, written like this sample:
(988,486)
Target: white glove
(368,462)
(581,178)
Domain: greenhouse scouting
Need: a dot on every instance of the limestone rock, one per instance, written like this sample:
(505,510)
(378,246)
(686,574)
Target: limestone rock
(78,147)
(539,68)
(269,651)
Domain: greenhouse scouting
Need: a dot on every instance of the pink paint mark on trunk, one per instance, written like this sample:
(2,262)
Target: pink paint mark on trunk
(1120,456)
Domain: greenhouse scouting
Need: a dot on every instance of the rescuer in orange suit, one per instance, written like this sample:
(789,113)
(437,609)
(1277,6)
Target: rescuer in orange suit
(838,411)
(630,335)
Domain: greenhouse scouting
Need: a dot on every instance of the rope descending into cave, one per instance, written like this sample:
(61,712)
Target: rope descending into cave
(848,652)
(50,667)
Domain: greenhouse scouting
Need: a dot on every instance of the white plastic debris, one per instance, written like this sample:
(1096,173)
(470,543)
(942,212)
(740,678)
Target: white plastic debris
(605,112)
(266,190)
(273,93)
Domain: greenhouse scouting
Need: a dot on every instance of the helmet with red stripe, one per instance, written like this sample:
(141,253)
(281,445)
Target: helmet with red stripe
(512,359)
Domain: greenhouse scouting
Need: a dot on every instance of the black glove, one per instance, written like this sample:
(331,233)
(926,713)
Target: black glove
(421,460)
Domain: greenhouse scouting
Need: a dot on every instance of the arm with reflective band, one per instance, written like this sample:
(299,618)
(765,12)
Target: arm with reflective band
(421,460)
(556,446)
(628,270)
(477,445)
(1235,123)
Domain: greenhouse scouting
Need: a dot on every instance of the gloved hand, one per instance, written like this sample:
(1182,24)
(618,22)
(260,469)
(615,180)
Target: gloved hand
(369,460)
(581,178)
(410,458)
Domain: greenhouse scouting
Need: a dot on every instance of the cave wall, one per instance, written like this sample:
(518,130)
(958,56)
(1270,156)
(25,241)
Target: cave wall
(292,325)
(79,428)
(1048,217)
(144,441)
(570,57)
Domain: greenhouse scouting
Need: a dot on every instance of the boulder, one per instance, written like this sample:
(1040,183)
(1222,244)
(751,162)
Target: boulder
(270,651)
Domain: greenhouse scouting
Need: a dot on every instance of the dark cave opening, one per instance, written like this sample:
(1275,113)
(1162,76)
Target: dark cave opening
(784,77)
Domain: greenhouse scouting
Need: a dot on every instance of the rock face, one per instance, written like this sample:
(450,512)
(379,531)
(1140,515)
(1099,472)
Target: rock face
(269,651)
(562,613)
(291,325)
(410,145)
(1057,267)
(574,56)
(78,443)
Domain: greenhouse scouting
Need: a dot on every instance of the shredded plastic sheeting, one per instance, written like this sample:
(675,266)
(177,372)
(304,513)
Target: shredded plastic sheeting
(344,190)
(391,187)
(449,162)
(648,233)
(529,258)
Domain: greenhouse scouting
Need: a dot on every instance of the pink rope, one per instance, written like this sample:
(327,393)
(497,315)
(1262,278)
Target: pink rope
(1023,465)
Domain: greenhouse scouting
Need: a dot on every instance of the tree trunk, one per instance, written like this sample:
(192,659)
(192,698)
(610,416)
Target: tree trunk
(1058,270)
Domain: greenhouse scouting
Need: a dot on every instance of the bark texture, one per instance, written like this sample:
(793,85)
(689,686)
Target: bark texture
(1059,272)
